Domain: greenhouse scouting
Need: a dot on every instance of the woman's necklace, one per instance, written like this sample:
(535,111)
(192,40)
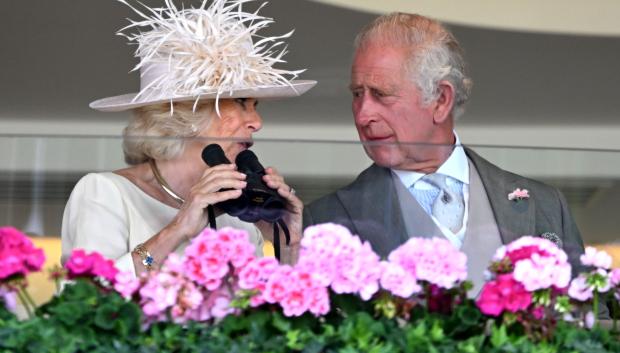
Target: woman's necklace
(160,180)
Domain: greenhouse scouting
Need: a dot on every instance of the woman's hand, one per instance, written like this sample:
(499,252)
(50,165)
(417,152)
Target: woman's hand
(192,217)
(293,215)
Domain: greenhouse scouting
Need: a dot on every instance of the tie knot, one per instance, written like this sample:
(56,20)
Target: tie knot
(435,179)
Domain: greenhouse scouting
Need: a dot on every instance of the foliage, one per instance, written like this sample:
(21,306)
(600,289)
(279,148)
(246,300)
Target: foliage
(83,318)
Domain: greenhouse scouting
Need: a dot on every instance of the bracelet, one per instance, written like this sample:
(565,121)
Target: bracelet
(145,256)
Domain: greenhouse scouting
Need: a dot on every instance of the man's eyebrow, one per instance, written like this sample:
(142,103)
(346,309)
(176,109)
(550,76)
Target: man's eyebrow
(353,86)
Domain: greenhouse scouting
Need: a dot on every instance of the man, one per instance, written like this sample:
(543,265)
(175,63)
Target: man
(409,85)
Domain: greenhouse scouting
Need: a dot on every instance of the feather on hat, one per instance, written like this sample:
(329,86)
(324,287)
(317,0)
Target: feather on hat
(204,53)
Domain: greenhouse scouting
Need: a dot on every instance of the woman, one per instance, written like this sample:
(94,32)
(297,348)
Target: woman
(140,214)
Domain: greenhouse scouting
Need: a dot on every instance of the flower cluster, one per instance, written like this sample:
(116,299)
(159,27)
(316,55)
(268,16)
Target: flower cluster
(589,287)
(82,264)
(599,279)
(208,259)
(170,291)
(198,287)
(434,260)
(296,291)
(18,256)
(504,293)
(219,267)
(530,277)
(524,270)
(537,263)
(330,257)
(340,260)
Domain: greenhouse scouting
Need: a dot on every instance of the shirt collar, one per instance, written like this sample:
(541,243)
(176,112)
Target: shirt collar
(456,166)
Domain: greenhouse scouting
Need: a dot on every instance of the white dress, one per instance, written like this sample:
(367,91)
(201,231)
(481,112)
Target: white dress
(109,214)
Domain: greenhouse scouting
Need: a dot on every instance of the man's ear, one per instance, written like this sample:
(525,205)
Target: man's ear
(444,102)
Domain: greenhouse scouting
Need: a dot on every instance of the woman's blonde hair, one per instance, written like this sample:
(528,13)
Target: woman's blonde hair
(156,133)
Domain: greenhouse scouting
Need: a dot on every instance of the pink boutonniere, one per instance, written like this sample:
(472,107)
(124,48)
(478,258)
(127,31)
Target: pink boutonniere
(518,195)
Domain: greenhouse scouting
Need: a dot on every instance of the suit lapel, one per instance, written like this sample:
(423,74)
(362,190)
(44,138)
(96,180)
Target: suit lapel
(514,218)
(372,204)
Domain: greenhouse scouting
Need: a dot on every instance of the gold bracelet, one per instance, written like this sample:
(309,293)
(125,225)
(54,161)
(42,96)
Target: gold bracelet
(145,256)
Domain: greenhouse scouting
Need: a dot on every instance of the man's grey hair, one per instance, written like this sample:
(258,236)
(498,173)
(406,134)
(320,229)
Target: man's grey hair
(155,133)
(435,54)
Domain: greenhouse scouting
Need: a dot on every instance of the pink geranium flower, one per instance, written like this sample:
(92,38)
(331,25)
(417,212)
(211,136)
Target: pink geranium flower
(296,290)
(503,294)
(79,263)
(221,307)
(278,284)
(595,258)
(158,294)
(398,281)
(340,260)
(104,268)
(8,298)
(210,254)
(537,263)
(434,260)
(82,264)
(579,289)
(18,256)
(126,284)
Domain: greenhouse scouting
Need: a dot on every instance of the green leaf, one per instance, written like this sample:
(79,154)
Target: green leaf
(499,337)
(471,345)
(468,315)
(105,316)
(280,322)
(436,333)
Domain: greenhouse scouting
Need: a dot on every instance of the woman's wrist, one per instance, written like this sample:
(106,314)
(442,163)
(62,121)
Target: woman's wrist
(157,249)
(178,231)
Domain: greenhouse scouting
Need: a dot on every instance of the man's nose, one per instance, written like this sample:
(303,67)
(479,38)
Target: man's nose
(364,110)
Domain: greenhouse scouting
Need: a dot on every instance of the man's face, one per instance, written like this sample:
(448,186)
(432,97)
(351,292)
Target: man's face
(388,108)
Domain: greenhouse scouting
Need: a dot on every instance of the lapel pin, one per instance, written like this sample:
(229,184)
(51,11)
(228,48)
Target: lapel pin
(519,194)
(552,237)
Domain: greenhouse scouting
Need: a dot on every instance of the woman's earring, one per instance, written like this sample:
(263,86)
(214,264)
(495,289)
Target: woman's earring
(194,128)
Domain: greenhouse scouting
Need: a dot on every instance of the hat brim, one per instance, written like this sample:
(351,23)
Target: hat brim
(126,101)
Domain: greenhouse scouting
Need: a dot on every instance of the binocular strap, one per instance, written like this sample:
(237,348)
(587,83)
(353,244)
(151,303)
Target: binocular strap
(211,215)
(276,237)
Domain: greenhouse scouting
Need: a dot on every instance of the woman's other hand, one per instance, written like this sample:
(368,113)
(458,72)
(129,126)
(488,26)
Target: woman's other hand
(292,217)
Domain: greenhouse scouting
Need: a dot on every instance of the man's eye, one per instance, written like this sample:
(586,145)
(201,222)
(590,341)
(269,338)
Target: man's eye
(356,94)
(379,94)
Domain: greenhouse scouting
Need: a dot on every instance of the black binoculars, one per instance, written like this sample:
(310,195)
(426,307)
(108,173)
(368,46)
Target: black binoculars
(257,200)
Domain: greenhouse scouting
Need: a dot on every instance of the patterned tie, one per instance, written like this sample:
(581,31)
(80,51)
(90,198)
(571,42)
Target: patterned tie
(444,202)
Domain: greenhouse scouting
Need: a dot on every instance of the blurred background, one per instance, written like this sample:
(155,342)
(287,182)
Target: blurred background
(545,102)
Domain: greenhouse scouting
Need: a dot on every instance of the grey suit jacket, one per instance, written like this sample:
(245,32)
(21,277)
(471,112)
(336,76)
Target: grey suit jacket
(370,208)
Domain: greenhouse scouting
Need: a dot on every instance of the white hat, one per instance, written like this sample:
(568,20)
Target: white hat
(205,53)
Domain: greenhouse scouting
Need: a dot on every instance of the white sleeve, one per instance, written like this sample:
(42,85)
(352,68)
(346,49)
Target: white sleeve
(257,238)
(95,219)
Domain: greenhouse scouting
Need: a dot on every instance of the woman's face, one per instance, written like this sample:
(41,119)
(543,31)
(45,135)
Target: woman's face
(234,127)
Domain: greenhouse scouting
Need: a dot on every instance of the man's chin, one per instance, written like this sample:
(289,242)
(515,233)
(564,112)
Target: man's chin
(384,156)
